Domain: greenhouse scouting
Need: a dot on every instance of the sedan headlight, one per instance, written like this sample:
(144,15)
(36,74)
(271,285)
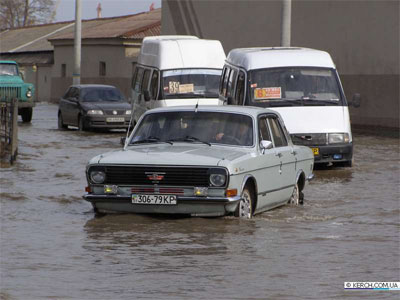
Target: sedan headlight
(338,138)
(97,176)
(217,179)
(128,112)
(94,112)
(29,93)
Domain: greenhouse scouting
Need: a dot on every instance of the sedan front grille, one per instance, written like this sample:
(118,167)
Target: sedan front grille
(309,139)
(162,176)
(111,112)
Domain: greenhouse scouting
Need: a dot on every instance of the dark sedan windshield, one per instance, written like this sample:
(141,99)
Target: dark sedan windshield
(101,94)
(294,86)
(195,127)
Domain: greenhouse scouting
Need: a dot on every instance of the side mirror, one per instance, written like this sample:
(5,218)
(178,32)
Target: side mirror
(264,145)
(122,141)
(356,100)
(146,95)
(229,100)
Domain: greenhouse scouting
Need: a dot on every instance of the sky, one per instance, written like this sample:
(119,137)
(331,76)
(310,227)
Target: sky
(110,8)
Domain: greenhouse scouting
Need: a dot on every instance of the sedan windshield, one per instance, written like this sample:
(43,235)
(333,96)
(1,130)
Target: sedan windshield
(101,94)
(294,87)
(8,69)
(195,127)
(191,83)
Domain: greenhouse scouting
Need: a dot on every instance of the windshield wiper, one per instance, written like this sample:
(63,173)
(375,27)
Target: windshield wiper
(190,139)
(150,139)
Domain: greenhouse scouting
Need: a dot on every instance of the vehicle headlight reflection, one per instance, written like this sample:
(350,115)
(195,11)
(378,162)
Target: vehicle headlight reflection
(97,176)
(338,138)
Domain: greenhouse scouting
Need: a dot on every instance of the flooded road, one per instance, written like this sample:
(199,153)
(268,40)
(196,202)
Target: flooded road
(53,246)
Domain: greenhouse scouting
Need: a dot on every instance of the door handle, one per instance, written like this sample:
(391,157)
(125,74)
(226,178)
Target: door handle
(294,152)
(279,154)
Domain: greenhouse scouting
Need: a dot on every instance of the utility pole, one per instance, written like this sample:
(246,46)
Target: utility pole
(286,22)
(76,76)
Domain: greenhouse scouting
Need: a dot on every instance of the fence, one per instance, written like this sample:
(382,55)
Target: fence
(9,130)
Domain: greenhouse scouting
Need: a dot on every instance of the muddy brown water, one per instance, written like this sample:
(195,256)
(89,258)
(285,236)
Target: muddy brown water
(54,247)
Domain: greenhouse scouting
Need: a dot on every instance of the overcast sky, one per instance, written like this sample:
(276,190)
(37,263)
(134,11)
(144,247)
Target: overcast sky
(110,8)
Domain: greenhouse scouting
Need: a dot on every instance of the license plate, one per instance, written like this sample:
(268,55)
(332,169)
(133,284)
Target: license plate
(110,120)
(154,199)
(315,151)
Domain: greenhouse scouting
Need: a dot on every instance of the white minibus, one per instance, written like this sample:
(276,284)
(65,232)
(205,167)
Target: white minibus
(176,70)
(304,87)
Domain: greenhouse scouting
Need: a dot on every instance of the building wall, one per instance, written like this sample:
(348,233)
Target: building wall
(117,58)
(363,38)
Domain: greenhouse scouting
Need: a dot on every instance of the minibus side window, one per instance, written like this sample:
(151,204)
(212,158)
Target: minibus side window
(135,72)
(154,85)
(146,78)
(138,80)
(225,83)
(239,96)
(231,83)
(221,88)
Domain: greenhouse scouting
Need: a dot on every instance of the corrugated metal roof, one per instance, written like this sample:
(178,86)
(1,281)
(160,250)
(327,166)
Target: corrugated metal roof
(38,58)
(36,38)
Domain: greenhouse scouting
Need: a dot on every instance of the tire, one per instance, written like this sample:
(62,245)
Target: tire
(244,209)
(61,124)
(81,124)
(26,114)
(297,196)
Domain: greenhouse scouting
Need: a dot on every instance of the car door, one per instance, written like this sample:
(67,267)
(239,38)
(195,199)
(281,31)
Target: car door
(268,175)
(70,104)
(63,105)
(284,152)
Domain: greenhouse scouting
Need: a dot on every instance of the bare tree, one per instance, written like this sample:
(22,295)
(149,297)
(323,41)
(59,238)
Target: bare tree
(20,13)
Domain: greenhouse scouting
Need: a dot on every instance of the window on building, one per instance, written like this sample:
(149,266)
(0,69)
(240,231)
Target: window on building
(63,70)
(102,68)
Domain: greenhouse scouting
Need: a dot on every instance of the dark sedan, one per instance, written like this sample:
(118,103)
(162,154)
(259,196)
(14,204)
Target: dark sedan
(90,106)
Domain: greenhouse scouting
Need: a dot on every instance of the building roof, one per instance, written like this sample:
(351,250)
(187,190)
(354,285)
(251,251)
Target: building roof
(260,58)
(36,38)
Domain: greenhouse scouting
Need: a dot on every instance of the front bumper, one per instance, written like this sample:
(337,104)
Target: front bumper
(188,205)
(333,153)
(96,121)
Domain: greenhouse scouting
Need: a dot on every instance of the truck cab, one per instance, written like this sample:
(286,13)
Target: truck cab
(12,86)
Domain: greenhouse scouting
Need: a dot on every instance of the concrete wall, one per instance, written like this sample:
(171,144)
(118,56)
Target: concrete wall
(363,38)
(118,59)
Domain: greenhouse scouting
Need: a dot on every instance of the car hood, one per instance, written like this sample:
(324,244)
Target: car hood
(106,105)
(176,154)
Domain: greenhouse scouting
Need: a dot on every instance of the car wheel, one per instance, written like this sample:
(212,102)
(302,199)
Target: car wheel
(245,207)
(61,124)
(81,124)
(26,114)
(297,196)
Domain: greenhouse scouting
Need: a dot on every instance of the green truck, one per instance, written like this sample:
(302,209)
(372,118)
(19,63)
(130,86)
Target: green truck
(12,86)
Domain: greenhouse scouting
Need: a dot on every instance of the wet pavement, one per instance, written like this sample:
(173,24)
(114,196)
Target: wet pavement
(52,246)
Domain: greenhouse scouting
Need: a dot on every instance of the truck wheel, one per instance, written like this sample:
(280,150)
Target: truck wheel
(26,114)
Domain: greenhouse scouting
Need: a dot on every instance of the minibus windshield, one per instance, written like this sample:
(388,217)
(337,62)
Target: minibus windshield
(298,86)
(190,83)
